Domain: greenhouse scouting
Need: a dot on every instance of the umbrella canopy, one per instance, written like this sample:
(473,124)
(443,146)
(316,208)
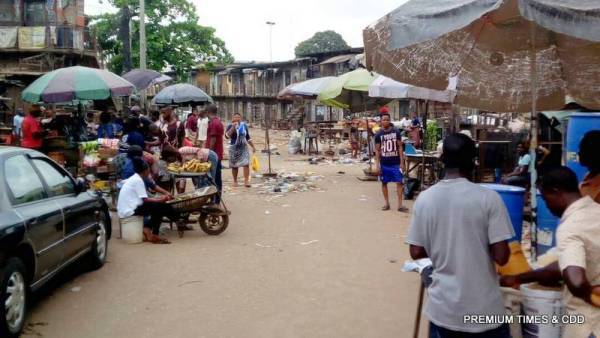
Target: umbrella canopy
(351,91)
(485,47)
(181,94)
(143,78)
(306,89)
(76,83)
(383,86)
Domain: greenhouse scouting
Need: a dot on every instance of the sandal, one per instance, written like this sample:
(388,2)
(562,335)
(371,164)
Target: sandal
(158,240)
(403,209)
(385,208)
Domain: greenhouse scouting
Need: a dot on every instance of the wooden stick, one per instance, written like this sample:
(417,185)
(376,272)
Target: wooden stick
(419,308)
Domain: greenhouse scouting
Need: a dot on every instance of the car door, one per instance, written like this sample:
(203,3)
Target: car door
(42,216)
(78,208)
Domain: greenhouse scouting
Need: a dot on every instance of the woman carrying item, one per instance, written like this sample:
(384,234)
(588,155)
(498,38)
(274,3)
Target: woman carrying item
(239,156)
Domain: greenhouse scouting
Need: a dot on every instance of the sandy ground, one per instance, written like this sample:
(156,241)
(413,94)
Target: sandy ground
(321,263)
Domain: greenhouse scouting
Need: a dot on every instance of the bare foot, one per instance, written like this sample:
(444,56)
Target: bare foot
(235,184)
(385,207)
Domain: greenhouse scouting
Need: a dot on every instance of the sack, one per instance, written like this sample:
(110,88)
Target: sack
(255,163)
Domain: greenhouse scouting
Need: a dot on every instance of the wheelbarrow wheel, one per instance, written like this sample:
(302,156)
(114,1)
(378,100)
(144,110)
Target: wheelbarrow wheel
(213,224)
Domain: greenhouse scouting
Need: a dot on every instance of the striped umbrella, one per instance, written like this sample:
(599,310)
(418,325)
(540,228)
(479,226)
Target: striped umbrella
(76,83)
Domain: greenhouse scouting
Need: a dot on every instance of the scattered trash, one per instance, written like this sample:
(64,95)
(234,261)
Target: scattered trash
(287,182)
(341,172)
(285,205)
(363,199)
(309,242)
(393,260)
(267,212)
(262,245)
(76,289)
(190,282)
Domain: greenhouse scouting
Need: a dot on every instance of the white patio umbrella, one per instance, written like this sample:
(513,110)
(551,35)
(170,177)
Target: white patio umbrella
(305,89)
(385,87)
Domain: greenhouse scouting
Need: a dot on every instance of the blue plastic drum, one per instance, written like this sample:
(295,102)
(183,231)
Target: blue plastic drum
(547,224)
(579,124)
(514,200)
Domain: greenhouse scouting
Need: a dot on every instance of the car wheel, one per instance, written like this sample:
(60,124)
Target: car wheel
(13,298)
(97,255)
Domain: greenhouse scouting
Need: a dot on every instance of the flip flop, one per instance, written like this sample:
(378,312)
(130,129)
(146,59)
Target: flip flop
(157,240)
(403,209)
(385,208)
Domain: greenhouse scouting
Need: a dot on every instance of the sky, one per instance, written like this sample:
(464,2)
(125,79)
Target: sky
(242,23)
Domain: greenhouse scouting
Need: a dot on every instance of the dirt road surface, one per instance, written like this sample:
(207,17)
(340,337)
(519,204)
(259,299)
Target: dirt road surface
(321,263)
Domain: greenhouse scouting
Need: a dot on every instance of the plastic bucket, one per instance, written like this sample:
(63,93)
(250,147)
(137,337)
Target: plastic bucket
(547,224)
(133,229)
(514,200)
(542,301)
(512,305)
(579,124)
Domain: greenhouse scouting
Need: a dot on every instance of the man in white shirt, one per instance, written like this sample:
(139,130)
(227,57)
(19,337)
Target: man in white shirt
(202,129)
(134,200)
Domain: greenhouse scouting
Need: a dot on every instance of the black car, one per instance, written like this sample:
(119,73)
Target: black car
(47,221)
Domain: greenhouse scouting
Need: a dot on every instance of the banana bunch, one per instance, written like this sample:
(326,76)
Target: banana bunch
(196,166)
(174,167)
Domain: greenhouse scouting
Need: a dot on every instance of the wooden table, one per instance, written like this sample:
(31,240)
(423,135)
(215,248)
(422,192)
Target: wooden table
(421,162)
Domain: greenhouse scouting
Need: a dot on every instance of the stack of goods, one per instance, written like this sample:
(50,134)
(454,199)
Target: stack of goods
(193,166)
(109,148)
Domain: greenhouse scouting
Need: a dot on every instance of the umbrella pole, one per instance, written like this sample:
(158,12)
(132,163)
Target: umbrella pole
(533,145)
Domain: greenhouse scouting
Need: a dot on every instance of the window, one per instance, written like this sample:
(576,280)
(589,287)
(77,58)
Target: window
(22,180)
(35,12)
(58,182)
(8,11)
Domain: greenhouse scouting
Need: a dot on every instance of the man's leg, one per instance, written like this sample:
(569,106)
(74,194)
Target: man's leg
(234,173)
(400,193)
(218,182)
(157,211)
(384,189)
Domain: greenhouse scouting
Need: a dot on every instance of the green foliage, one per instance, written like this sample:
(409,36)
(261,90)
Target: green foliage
(322,42)
(431,135)
(173,37)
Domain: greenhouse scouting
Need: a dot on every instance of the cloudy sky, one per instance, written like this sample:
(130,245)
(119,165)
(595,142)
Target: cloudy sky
(241,23)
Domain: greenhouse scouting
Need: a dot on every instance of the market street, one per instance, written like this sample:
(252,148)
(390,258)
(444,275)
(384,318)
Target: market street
(321,263)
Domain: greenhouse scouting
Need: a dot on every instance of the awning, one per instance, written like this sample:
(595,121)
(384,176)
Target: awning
(339,59)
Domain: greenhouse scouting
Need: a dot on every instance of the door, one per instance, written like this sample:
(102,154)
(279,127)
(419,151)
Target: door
(42,216)
(78,209)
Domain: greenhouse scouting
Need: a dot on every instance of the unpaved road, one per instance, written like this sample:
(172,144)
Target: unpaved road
(321,263)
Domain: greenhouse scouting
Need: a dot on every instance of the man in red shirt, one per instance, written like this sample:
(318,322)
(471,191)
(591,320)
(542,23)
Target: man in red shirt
(32,130)
(214,141)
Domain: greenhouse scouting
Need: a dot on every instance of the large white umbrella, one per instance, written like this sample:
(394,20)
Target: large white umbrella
(385,87)
(305,89)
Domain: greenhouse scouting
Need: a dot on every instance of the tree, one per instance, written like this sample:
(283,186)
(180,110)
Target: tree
(322,42)
(173,37)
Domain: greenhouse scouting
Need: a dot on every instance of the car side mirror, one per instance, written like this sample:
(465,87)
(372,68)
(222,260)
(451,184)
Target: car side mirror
(80,185)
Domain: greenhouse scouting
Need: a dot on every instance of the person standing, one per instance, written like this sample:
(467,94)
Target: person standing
(578,247)
(202,129)
(214,139)
(239,156)
(191,127)
(172,128)
(33,134)
(17,125)
(389,157)
(463,228)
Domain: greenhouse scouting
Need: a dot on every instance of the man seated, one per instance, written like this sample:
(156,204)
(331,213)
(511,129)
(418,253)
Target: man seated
(134,200)
(127,169)
(520,176)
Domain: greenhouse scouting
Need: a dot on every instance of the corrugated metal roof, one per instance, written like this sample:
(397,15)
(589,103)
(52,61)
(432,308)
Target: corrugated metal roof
(339,59)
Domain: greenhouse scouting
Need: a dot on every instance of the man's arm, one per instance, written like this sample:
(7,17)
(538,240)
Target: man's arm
(400,148)
(549,275)
(500,252)
(577,282)
(161,199)
(417,252)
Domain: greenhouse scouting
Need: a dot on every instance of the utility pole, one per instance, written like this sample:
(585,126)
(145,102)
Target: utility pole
(143,47)
(271,24)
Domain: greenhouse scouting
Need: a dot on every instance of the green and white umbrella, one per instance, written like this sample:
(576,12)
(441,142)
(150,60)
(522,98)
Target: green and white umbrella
(76,83)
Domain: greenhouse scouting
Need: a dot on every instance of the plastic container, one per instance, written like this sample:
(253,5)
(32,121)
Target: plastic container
(514,200)
(547,224)
(542,301)
(133,229)
(512,305)
(579,124)
(517,263)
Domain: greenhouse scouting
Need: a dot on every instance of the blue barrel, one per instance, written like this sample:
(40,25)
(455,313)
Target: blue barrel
(514,200)
(579,124)
(547,224)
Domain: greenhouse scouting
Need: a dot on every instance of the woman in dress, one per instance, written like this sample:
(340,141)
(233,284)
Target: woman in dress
(239,155)
(172,129)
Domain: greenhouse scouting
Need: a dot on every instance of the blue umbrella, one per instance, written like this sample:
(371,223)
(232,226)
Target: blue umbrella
(143,78)
(181,94)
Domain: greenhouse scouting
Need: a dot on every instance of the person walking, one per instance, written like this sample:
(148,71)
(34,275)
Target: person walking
(389,158)
(239,156)
(191,128)
(17,126)
(32,131)
(172,129)
(202,129)
(214,139)
(463,228)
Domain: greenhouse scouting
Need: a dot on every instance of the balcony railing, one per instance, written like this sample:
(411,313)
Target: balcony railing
(47,37)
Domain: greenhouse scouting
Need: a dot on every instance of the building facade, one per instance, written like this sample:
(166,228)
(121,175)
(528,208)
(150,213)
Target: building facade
(38,36)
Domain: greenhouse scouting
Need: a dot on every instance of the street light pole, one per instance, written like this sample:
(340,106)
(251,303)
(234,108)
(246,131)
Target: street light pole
(143,47)
(271,24)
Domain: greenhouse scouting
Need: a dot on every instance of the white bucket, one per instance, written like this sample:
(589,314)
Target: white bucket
(512,305)
(545,302)
(133,229)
